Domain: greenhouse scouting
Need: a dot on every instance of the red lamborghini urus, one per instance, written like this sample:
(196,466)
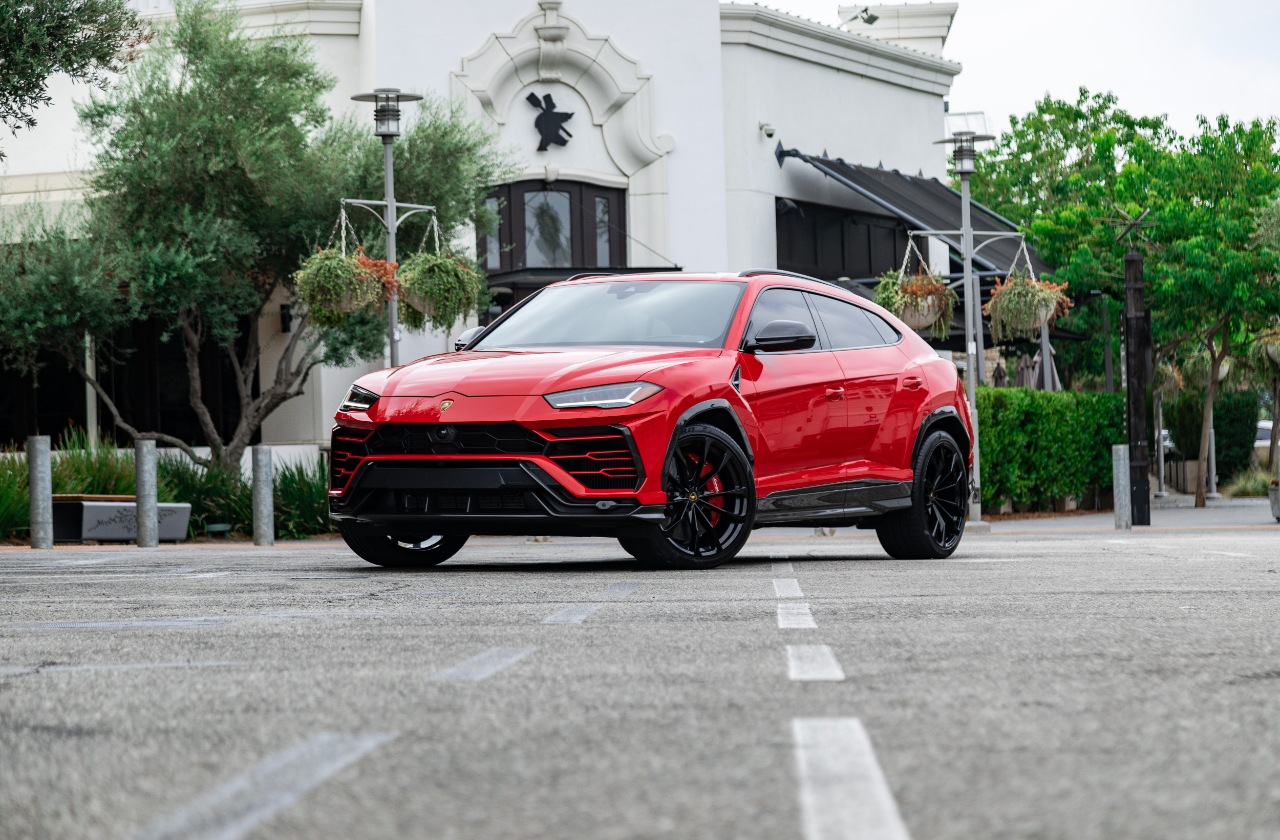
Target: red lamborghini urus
(674,412)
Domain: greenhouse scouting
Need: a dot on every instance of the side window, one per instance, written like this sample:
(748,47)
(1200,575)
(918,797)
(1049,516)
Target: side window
(887,332)
(848,325)
(780,305)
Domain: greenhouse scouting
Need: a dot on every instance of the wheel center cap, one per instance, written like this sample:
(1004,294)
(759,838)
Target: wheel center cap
(693,497)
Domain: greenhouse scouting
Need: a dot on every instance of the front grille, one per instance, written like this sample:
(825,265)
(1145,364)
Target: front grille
(599,457)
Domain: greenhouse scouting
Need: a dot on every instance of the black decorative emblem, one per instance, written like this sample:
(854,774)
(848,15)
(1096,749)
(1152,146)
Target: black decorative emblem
(550,123)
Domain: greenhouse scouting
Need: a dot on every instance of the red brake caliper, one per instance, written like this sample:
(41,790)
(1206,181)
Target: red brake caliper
(710,493)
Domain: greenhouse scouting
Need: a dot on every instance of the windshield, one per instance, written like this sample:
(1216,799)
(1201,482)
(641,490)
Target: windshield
(667,313)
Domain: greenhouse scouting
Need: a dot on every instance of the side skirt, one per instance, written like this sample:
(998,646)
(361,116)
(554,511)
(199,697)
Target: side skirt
(832,504)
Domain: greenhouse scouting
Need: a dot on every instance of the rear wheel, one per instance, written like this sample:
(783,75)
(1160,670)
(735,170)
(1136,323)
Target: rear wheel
(711,503)
(402,551)
(931,528)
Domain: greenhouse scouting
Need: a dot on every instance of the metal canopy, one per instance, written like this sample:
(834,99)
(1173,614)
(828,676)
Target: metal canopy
(923,204)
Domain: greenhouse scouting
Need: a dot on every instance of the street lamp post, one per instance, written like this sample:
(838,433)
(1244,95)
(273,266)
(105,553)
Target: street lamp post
(965,164)
(386,118)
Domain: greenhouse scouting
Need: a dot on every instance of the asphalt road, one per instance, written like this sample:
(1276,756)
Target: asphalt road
(1039,685)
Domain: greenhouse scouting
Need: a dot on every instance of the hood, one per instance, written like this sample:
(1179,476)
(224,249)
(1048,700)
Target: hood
(497,373)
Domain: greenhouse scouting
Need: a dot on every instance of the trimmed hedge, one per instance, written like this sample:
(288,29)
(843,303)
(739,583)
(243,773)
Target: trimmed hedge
(1037,446)
(1235,422)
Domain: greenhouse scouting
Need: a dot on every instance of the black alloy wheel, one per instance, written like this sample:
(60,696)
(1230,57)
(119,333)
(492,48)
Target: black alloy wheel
(711,503)
(402,551)
(931,528)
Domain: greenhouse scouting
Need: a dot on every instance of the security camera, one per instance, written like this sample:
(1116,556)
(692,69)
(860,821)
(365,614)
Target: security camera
(767,129)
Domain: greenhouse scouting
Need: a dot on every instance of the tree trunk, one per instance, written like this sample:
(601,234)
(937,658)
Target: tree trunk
(1206,422)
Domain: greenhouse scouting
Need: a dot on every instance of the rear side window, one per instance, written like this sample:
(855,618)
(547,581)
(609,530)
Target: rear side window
(849,325)
(779,305)
(887,332)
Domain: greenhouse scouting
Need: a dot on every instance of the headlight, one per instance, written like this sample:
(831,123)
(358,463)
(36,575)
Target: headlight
(604,396)
(358,399)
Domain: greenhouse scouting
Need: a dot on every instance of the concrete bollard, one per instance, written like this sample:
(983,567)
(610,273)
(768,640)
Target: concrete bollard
(40,482)
(1120,487)
(144,470)
(264,518)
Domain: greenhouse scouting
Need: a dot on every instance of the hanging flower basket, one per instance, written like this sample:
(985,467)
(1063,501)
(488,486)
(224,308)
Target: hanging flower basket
(333,285)
(438,288)
(1021,305)
(921,301)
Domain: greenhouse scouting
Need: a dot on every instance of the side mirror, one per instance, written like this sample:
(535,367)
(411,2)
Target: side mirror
(777,336)
(467,337)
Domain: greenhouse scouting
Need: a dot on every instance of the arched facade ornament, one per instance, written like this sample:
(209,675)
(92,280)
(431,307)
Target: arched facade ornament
(548,46)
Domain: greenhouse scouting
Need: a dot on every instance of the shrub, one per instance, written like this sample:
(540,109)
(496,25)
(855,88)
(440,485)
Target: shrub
(302,500)
(15,504)
(1235,420)
(1037,446)
(1251,482)
(217,495)
(98,469)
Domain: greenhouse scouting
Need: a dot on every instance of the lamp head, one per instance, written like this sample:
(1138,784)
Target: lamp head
(965,152)
(386,109)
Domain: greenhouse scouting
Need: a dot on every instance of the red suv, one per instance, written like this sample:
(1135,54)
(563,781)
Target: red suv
(674,412)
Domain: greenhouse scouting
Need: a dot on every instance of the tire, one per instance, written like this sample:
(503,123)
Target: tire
(932,527)
(402,551)
(711,506)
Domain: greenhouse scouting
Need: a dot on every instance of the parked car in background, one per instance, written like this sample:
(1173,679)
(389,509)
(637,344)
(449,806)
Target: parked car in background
(674,412)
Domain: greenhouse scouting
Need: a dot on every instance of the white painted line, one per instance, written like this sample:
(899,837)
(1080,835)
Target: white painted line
(979,559)
(783,568)
(48,669)
(793,616)
(112,625)
(813,662)
(237,807)
(1229,553)
(843,792)
(482,666)
(618,591)
(787,588)
(572,614)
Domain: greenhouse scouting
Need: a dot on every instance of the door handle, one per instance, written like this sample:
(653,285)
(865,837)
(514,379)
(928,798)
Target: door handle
(912,382)
(835,393)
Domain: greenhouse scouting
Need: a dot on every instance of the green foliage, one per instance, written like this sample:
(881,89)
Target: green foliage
(302,500)
(98,469)
(333,286)
(1020,304)
(87,40)
(437,288)
(1041,445)
(15,502)
(1235,421)
(1251,482)
(217,494)
(897,293)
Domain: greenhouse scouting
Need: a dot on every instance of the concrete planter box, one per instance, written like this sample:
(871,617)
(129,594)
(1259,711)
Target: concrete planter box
(80,518)
(1273,494)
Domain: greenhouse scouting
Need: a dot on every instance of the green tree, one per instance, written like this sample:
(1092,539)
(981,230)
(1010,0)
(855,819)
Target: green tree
(88,40)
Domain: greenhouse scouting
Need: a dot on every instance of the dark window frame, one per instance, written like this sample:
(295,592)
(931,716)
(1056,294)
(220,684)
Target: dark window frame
(582,232)
(865,311)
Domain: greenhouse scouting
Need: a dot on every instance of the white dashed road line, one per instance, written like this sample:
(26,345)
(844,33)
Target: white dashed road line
(572,614)
(482,666)
(48,669)
(787,588)
(783,567)
(242,804)
(813,662)
(843,792)
(793,616)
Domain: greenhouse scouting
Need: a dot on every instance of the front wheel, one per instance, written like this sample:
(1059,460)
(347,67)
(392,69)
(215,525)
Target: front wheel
(931,528)
(402,551)
(711,503)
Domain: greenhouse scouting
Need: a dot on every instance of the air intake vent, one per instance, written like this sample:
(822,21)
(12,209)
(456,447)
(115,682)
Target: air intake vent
(597,456)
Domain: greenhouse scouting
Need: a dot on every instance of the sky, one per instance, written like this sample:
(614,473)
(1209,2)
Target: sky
(1174,57)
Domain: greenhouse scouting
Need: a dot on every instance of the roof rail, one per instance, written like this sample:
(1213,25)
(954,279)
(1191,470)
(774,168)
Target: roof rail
(755,272)
(592,274)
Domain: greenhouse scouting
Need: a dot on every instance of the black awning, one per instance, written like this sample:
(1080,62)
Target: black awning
(924,204)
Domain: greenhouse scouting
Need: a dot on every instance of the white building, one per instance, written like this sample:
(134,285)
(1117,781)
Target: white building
(677,108)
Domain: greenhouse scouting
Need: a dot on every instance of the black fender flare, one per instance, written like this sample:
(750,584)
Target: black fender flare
(931,419)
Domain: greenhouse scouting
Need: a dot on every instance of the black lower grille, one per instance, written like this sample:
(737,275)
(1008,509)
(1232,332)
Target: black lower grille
(598,457)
